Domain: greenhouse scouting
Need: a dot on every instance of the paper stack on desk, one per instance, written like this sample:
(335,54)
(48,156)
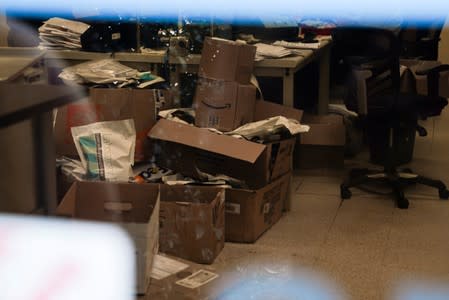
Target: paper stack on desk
(266,50)
(297,45)
(60,33)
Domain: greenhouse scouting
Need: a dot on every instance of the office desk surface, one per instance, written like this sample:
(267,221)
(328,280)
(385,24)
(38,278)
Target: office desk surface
(284,68)
(284,62)
(20,102)
(191,59)
(120,56)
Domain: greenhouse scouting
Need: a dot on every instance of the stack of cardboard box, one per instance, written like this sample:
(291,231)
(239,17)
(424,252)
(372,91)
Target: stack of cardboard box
(225,100)
(224,97)
(194,221)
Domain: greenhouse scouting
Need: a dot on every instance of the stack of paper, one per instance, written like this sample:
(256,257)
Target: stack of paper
(297,45)
(266,50)
(60,33)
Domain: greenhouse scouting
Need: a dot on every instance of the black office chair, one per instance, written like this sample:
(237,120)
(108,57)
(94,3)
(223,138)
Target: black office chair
(419,41)
(389,117)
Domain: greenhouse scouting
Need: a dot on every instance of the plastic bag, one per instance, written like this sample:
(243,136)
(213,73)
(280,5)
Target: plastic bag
(106,149)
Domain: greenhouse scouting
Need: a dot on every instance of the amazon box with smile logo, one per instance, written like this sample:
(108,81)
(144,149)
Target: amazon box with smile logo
(224,105)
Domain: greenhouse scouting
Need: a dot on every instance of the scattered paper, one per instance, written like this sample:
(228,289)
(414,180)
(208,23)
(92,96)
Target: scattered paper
(71,168)
(204,179)
(197,279)
(164,267)
(99,71)
(267,127)
(180,115)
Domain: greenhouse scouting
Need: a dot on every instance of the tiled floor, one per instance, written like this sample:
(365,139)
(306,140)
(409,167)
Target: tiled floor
(363,248)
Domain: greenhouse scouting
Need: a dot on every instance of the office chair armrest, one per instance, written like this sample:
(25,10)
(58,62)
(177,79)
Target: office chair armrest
(433,78)
(430,39)
(432,70)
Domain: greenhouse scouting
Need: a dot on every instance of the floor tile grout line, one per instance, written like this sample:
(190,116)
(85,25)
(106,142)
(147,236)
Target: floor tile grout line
(326,238)
(384,255)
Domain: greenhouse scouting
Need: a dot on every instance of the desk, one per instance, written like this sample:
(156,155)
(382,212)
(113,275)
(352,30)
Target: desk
(21,102)
(284,68)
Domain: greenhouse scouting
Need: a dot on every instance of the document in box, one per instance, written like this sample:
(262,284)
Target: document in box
(164,267)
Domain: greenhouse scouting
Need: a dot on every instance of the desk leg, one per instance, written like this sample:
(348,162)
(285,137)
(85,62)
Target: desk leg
(45,162)
(323,85)
(288,88)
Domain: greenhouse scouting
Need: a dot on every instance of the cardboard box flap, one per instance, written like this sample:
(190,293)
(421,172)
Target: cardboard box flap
(265,110)
(206,140)
(67,207)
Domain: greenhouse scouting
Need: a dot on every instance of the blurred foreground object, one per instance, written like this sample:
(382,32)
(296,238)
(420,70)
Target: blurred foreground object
(43,258)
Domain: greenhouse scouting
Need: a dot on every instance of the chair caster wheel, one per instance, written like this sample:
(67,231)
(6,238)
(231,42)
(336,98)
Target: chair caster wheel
(345,193)
(444,194)
(403,203)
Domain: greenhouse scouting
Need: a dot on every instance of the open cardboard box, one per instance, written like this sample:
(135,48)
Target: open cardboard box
(112,104)
(134,207)
(187,149)
(192,222)
(249,213)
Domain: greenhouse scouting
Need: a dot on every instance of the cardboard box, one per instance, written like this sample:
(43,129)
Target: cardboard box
(227,60)
(323,146)
(192,222)
(249,213)
(223,105)
(187,149)
(107,104)
(134,207)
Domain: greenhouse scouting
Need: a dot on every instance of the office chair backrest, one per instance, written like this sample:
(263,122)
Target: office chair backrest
(375,50)
(419,41)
